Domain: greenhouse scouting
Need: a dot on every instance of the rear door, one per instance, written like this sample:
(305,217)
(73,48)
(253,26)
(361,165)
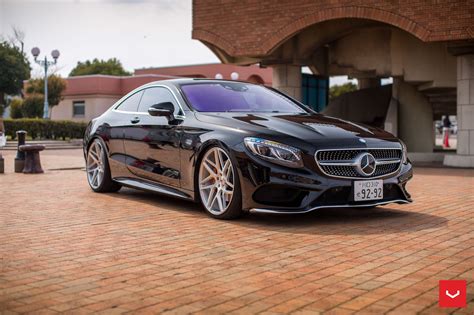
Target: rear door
(152,143)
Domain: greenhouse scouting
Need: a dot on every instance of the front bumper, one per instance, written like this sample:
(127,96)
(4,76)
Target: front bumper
(270,188)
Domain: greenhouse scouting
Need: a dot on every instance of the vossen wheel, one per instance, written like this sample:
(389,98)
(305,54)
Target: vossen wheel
(98,170)
(219,185)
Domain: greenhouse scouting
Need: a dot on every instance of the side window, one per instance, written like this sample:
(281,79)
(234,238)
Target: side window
(155,95)
(131,103)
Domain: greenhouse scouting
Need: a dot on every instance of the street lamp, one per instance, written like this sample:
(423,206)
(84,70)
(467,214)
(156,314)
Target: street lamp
(45,64)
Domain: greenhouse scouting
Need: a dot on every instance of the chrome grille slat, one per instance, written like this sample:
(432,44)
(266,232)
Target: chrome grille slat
(341,162)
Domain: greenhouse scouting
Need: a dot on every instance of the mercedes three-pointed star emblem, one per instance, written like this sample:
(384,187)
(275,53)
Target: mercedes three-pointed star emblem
(365,164)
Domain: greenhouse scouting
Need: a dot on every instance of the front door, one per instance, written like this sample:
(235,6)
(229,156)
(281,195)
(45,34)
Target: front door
(152,143)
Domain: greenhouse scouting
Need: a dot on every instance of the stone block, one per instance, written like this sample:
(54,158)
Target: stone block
(466,116)
(463,142)
(463,92)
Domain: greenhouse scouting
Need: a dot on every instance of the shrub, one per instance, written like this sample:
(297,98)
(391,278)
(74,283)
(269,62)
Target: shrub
(15,108)
(33,106)
(45,129)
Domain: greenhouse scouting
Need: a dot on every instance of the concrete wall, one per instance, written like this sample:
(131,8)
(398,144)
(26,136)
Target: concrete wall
(384,52)
(368,106)
(288,79)
(464,156)
(95,105)
(415,117)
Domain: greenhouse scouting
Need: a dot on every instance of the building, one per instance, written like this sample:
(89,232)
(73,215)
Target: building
(427,47)
(89,96)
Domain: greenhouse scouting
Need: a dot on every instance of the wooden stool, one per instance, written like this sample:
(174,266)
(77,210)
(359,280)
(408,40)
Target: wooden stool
(32,158)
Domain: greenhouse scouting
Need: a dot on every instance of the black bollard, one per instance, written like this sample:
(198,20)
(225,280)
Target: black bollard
(20,156)
(2,164)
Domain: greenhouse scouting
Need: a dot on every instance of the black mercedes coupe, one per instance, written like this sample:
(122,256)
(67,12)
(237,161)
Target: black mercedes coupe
(237,147)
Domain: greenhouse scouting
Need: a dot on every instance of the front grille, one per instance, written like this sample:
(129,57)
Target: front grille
(345,163)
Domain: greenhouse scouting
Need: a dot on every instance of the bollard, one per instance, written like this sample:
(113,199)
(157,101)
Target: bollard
(2,164)
(32,159)
(20,156)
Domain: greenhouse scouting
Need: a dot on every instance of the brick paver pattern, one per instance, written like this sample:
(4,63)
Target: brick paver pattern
(64,248)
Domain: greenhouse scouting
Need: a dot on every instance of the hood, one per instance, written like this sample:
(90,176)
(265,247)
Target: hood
(311,128)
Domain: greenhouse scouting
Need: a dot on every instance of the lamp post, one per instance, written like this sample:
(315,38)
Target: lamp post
(45,64)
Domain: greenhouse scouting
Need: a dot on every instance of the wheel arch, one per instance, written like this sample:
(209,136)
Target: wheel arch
(199,155)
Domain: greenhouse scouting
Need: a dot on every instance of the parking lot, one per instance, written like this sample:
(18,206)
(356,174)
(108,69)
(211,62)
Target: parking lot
(66,249)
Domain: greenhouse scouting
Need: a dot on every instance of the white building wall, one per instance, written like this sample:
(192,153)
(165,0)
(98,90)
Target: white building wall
(95,105)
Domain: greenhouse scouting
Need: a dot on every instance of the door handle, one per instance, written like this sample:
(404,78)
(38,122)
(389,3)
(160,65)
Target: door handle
(135,120)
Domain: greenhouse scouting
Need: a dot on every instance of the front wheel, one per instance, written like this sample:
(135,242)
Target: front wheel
(219,185)
(98,170)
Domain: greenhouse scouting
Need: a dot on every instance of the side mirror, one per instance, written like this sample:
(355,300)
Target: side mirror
(165,109)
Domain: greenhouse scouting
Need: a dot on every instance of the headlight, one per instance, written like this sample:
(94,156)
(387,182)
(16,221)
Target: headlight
(404,152)
(274,152)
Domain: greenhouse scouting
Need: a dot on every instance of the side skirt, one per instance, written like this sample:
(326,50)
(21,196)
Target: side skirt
(153,187)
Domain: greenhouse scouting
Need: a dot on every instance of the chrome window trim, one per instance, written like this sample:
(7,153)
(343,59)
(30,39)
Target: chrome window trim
(114,107)
(351,163)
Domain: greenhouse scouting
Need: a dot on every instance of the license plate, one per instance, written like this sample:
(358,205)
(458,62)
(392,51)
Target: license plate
(368,190)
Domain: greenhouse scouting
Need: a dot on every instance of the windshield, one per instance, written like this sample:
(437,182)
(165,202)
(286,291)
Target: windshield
(237,97)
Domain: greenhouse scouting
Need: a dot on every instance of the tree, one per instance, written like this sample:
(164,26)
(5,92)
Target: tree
(56,86)
(14,69)
(32,106)
(16,108)
(18,38)
(338,90)
(112,66)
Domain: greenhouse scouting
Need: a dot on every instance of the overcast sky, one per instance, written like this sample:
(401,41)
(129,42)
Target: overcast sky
(140,33)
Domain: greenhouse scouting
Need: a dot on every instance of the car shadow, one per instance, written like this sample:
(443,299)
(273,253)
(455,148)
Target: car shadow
(330,221)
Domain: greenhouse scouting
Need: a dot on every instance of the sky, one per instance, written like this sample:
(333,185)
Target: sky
(140,33)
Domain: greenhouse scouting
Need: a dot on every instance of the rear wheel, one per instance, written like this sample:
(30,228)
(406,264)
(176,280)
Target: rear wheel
(98,170)
(219,185)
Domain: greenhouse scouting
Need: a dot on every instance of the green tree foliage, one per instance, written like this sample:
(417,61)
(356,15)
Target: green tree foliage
(14,69)
(16,108)
(32,106)
(113,66)
(338,90)
(56,86)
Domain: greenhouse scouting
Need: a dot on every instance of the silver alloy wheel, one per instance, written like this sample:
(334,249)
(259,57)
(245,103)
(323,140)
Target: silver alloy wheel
(95,164)
(216,181)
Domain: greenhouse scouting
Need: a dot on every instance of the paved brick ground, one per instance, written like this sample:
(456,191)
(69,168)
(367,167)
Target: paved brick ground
(64,248)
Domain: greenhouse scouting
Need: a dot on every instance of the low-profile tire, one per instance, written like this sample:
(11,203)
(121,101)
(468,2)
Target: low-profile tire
(98,170)
(218,184)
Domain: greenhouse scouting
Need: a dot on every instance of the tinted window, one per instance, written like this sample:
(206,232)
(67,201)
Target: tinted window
(153,96)
(131,103)
(237,97)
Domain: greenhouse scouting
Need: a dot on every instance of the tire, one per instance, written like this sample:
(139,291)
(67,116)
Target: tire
(98,170)
(218,184)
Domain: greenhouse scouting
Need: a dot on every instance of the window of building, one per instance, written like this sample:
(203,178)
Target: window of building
(153,96)
(131,103)
(78,108)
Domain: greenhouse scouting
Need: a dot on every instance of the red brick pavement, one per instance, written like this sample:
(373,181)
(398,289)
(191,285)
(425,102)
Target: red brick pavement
(66,249)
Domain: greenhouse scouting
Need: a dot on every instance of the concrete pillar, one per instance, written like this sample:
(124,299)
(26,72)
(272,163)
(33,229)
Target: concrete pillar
(365,83)
(464,156)
(415,117)
(287,78)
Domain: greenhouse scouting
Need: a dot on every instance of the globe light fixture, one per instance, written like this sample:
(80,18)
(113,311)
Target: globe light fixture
(35,52)
(234,76)
(219,76)
(45,64)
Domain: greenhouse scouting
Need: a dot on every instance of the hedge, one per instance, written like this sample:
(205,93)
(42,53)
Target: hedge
(45,129)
